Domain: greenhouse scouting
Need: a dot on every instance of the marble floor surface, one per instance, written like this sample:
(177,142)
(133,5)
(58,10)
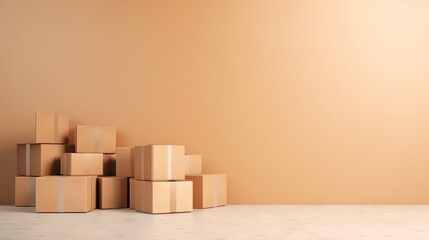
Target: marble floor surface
(321,222)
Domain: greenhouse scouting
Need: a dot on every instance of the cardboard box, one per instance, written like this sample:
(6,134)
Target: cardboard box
(51,128)
(94,139)
(25,191)
(125,161)
(131,194)
(112,192)
(193,164)
(209,190)
(65,193)
(40,159)
(163,197)
(109,164)
(159,162)
(83,164)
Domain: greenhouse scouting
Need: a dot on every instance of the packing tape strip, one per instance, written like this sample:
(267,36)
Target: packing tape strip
(142,160)
(169,159)
(56,127)
(27,159)
(173,199)
(97,131)
(33,191)
(61,194)
(215,186)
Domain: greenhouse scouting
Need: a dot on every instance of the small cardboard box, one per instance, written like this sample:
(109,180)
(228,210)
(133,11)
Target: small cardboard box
(25,191)
(163,197)
(82,164)
(131,195)
(109,164)
(159,162)
(51,128)
(209,190)
(112,192)
(40,159)
(125,162)
(94,139)
(65,193)
(193,164)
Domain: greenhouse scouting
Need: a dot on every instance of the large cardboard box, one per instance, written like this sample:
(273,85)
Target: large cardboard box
(109,164)
(94,139)
(112,192)
(51,128)
(65,193)
(209,190)
(159,162)
(125,161)
(40,159)
(163,197)
(25,191)
(131,193)
(193,164)
(84,164)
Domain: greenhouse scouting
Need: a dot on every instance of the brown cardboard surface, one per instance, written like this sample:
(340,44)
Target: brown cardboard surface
(51,128)
(163,196)
(84,164)
(125,161)
(25,191)
(112,192)
(159,162)
(193,164)
(109,164)
(65,193)
(95,139)
(131,193)
(210,190)
(40,159)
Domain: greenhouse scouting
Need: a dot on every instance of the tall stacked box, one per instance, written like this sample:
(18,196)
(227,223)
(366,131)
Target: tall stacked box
(159,185)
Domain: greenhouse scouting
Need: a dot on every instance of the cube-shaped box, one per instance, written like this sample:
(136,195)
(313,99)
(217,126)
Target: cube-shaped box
(112,192)
(109,164)
(125,162)
(131,193)
(159,162)
(40,159)
(209,190)
(193,164)
(163,196)
(51,128)
(94,139)
(25,191)
(65,193)
(82,164)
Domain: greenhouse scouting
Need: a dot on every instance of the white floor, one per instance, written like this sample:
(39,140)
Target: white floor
(230,222)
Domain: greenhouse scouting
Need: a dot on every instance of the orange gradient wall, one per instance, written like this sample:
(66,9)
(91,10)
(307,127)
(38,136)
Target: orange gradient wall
(299,102)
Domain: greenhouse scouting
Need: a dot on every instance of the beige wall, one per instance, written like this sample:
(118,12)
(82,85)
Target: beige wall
(297,101)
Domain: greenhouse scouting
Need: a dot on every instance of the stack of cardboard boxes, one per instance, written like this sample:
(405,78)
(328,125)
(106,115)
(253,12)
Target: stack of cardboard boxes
(95,173)
(160,185)
(42,157)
